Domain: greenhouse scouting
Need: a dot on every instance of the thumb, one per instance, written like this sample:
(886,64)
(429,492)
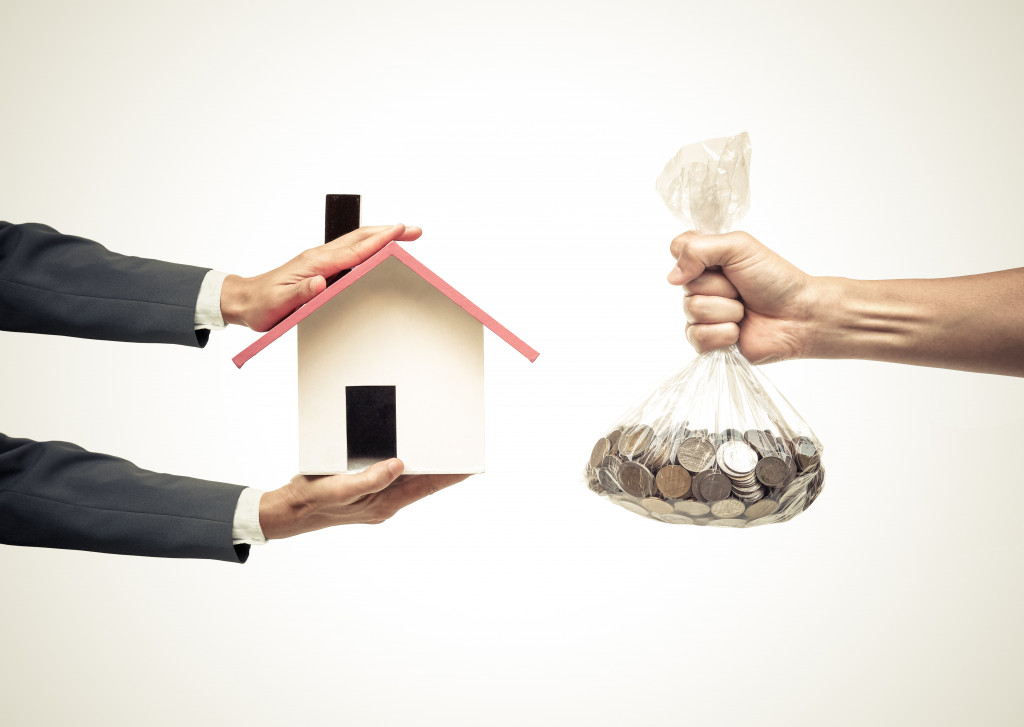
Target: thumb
(305,290)
(695,253)
(378,476)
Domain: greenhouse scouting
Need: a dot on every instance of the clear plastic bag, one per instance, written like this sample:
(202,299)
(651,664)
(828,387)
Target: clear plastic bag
(716,444)
(707,185)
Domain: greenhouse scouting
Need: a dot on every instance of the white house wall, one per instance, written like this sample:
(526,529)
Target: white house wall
(391,328)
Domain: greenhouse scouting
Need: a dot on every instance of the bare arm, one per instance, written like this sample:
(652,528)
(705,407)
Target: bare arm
(739,291)
(970,323)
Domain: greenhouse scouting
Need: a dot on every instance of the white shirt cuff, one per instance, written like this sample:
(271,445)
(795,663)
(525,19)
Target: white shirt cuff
(246,527)
(208,313)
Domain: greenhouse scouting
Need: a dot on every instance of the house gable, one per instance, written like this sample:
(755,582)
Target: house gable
(391,250)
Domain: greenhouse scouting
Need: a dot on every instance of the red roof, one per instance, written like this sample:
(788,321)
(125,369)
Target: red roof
(392,249)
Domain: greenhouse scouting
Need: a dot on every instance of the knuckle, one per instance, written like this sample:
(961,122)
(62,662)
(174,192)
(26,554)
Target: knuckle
(696,305)
(688,310)
(729,333)
(705,337)
(744,238)
(689,249)
(695,335)
(365,234)
(698,334)
(309,257)
(680,241)
(702,309)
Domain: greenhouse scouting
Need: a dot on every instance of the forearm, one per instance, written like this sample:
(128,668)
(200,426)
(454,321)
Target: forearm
(70,286)
(970,323)
(57,495)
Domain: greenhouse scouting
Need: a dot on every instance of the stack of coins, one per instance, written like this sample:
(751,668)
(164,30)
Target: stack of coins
(727,479)
(738,460)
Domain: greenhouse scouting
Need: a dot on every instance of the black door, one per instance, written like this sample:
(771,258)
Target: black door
(370,419)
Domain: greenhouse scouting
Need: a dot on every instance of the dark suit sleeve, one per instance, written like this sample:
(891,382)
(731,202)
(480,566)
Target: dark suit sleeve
(69,286)
(57,495)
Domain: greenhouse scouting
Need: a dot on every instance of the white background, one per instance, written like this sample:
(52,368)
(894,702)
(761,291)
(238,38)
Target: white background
(525,139)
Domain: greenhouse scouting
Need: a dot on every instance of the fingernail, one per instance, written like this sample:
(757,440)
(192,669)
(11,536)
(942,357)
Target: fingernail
(675,276)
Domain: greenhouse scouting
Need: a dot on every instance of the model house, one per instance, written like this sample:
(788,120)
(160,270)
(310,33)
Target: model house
(391,364)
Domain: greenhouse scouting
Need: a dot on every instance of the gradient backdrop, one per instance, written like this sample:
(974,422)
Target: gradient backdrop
(525,138)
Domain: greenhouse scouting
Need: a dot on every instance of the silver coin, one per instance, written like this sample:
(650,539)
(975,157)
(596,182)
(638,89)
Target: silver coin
(728,523)
(675,519)
(691,508)
(608,481)
(777,518)
(762,508)
(760,440)
(695,483)
(796,488)
(636,480)
(736,456)
(794,505)
(747,491)
(658,454)
(634,442)
(792,494)
(600,451)
(815,486)
(715,486)
(612,462)
(791,463)
(772,471)
(752,497)
(808,453)
(695,454)
(653,504)
(727,508)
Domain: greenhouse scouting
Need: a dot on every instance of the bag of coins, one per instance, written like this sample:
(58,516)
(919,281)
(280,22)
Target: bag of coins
(716,444)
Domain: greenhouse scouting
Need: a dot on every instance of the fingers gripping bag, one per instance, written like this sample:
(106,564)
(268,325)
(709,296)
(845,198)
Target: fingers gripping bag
(716,444)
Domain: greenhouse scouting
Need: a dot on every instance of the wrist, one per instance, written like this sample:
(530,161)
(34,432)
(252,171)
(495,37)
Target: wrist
(282,513)
(865,319)
(831,303)
(234,300)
